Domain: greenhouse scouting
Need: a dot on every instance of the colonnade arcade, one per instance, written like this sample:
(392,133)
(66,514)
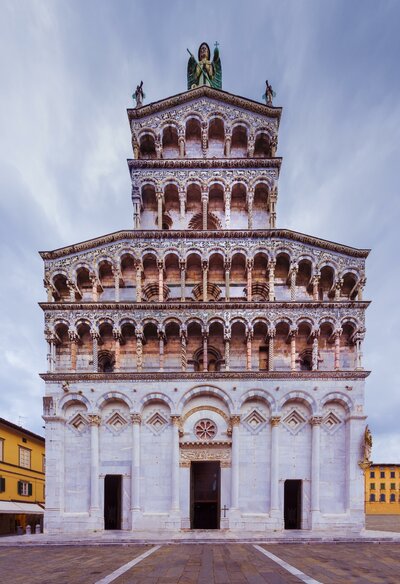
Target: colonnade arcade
(201,206)
(193,345)
(283,418)
(193,276)
(212,137)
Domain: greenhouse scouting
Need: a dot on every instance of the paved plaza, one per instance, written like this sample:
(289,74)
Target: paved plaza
(331,563)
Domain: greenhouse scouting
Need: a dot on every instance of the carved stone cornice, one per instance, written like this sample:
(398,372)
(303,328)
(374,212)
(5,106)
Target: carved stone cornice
(202,376)
(206,163)
(184,234)
(204,90)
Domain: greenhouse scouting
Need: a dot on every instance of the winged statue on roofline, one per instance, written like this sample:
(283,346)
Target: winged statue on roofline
(204,71)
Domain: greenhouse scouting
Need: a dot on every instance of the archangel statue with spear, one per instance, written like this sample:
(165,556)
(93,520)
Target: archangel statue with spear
(204,71)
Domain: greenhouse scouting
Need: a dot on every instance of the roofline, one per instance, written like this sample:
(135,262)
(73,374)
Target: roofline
(385,464)
(209,234)
(21,429)
(204,90)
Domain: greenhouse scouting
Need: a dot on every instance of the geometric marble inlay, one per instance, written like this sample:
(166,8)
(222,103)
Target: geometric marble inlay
(254,421)
(78,423)
(294,422)
(331,422)
(157,423)
(116,422)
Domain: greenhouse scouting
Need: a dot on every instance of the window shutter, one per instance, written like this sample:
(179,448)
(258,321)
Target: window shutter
(19,487)
(29,489)
(2,484)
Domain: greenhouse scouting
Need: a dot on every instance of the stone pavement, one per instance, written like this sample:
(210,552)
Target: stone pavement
(229,563)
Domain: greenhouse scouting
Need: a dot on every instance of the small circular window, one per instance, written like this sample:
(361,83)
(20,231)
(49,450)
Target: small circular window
(205,429)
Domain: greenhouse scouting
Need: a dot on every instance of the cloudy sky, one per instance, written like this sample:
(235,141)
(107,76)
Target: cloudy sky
(68,69)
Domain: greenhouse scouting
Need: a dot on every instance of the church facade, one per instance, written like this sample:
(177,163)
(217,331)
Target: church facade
(204,368)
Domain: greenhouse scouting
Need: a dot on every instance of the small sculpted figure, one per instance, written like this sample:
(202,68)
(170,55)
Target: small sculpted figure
(138,96)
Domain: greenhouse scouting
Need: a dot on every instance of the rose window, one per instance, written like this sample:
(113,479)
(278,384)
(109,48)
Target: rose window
(205,429)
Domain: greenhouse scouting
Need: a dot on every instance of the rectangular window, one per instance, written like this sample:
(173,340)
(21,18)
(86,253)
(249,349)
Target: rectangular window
(382,497)
(24,457)
(372,486)
(393,498)
(1,449)
(372,497)
(372,474)
(2,484)
(392,474)
(382,474)
(392,486)
(383,486)
(24,488)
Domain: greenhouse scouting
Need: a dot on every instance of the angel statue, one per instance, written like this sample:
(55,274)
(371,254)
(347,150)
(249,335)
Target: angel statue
(204,71)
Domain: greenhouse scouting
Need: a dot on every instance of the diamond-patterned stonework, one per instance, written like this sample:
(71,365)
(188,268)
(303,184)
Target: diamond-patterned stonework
(294,422)
(157,423)
(254,421)
(116,422)
(78,423)
(331,422)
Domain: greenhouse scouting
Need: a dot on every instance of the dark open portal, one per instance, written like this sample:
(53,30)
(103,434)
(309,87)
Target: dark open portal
(205,495)
(112,501)
(292,504)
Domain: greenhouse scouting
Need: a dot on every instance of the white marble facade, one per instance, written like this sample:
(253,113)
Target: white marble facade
(204,334)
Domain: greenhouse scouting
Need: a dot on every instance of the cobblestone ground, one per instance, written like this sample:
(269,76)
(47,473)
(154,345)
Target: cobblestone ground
(345,563)
(383,522)
(202,564)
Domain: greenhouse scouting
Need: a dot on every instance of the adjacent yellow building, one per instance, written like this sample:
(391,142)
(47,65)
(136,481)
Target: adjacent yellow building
(22,473)
(382,489)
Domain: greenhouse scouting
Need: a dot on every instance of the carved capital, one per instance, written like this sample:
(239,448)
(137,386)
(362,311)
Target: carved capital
(175,420)
(136,418)
(94,419)
(275,420)
(235,420)
(316,420)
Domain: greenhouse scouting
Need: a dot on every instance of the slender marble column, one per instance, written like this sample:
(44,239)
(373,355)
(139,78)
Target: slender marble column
(117,275)
(139,348)
(249,349)
(181,142)
(275,420)
(175,507)
(95,294)
(117,344)
(315,284)
(227,338)
(235,421)
(183,350)
(249,264)
(94,421)
(73,344)
(337,334)
(358,340)
(95,340)
(293,274)
(205,274)
(205,351)
(182,202)
(138,282)
(182,265)
(50,354)
(271,280)
(204,202)
(161,339)
(250,200)
(135,466)
(227,278)
(315,352)
(228,141)
(271,335)
(53,356)
(159,196)
(316,422)
(227,210)
(160,265)
(272,208)
(293,351)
